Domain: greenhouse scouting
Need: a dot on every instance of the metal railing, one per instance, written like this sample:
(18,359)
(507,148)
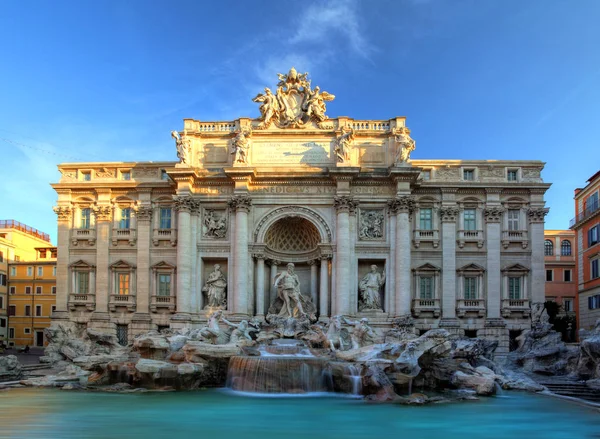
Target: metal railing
(589,210)
(16,225)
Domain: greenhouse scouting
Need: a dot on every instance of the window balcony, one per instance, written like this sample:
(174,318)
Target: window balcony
(88,235)
(164,235)
(590,210)
(123,235)
(464,236)
(87,300)
(432,236)
(167,302)
(519,236)
(470,306)
(431,306)
(122,300)
(515,306)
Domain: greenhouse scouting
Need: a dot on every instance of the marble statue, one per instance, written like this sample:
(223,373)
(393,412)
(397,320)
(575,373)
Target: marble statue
(240,146)
(215,287)
(290,310)
(371,224)
(184,149)
(369,287)
(344,144)
(215,227)
(314,103)
(288,288)
(362,334)
(269,108)
(212,332)
(338,337)
(404,145)
(241,332)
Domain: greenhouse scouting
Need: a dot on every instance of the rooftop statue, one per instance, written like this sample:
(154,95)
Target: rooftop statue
(404,145)
(240,146)
(294,104)
(184,148)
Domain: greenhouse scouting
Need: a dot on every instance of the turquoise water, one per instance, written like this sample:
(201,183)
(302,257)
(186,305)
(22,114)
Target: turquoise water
(48,414)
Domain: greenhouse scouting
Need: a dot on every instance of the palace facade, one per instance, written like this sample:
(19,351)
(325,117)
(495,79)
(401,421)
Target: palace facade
(456,244)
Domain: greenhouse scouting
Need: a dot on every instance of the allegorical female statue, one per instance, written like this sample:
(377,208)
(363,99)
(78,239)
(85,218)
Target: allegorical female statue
(369,289)
(214,288)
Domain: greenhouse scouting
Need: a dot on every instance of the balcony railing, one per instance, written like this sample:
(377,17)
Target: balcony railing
(426,305)
(589,210)
(509,236)
(87,300)
(118,300)
(464,306)
(164,235)
(464,236)
(432,236)
(123,235)
(168,302)
(88,235)
(510,306)
(12,224)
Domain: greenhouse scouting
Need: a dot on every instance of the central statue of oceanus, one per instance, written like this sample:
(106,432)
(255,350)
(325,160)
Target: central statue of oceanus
(294,104)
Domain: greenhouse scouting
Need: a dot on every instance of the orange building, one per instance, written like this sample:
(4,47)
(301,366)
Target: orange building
(31,298)
(559,259)
(586,226)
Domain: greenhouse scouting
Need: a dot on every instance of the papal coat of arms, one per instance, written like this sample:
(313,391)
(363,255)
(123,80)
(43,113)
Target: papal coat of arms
(294,104)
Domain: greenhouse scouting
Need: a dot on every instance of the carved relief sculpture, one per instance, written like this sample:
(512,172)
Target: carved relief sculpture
(184,148)
(371,224)
(215,287)
(344,144)
(215,224)
(369,288)
(240,147)
(404,145)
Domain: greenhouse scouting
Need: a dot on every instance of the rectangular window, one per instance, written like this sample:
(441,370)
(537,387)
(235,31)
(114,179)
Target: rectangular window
(125,219)
(54,271)
(82,282)
(38,310)
(29,271)
(43,254)
(591,204)
(164,284)
(470,292)
(511,175)
(468,174)
(425,219)
(514,288)
(513,219)
(13,290)
(426,175)
(1,302)
(469,218)
(2,323)
(1,257)
(40,271)
(54,289)
(165,218)
(27,330)
(11,332)
(13,271)
(125,175)
(123,280)
(38,290)
(568,305)
(17,258)
(12,310)
(164,175)
(594,270)
(86,176)
(3,279)
(85,218)
(549,276)
(53,308)
(593,236)
(426,287)
(28,290)
(567,275)
(28,310)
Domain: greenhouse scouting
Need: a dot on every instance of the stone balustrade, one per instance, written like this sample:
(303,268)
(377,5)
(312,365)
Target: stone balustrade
(432,236)
(519,236)
(87,300)
(426,306)
(465,306)
(122,300)
(83,235)
(167,302)
(511,306)
(464,236)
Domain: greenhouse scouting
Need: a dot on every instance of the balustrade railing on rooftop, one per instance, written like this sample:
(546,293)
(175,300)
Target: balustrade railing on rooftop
(12,224)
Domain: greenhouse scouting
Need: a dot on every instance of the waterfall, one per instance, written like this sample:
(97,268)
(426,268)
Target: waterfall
(353,374)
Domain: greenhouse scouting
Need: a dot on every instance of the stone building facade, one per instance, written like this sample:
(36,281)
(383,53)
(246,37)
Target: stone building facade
(456,244)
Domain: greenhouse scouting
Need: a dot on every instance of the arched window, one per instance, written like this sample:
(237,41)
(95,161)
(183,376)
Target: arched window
(548,248)
(565,248)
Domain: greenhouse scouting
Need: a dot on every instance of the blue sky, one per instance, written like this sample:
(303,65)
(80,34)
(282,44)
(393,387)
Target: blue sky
(476,79)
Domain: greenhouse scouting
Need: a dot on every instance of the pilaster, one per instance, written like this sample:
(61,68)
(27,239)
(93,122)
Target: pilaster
(103,214)
(240,204)
(184,205)
(64,214)
(536,217)
(493,217)
(448,216)
(143,216)
(342,205)
(403,207)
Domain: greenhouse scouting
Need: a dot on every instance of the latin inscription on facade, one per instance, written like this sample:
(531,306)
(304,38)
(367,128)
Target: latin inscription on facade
(291,153)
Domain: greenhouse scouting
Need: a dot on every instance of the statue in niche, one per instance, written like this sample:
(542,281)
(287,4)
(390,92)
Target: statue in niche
(269,108)
(369,288)
(240,145)
(343,144)
(362,334)
(290,302)
(371,224)
(404,145)
(184,148)
(215,287)
(215,227)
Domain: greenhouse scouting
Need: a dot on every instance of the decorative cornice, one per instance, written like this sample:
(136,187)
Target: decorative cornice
(143,213)
(345,203)
(102,213)
(240,203)
(404,204)
(449,214)
(185,203)
(63,212)
(493,214)
(537,214)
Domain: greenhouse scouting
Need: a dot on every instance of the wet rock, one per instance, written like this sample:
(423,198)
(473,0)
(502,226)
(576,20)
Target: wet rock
(10,368)
(152,346)
(482,384)
(197,351)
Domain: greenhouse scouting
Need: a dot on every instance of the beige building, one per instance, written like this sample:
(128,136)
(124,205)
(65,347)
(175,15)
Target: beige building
(456,244)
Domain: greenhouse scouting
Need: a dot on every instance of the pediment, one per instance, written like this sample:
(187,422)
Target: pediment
(471,267)
(163,265)
(427,267)
(121,264)
(81,264)
(516,268)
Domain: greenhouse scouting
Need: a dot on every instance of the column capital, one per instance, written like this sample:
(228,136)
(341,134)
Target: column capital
(102,213)
(448,214)
(344,203)
(493,214)
(240,203)
(185,203)
(325,257)
(143,213)
(63,213)
(312,262)
(403,204)
(537,214)
(275,262)
(258,255)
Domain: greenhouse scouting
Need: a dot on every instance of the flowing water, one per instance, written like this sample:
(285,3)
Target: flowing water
(57,414)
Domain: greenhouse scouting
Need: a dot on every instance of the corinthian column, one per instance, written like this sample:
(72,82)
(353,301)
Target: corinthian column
(64,214)
(493,216)
(260,284)
(343,204)
(103,216)
(143,216)
(536,226)
(324,287)
(448,216)
(184,205)
(402,207)
(241,205)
